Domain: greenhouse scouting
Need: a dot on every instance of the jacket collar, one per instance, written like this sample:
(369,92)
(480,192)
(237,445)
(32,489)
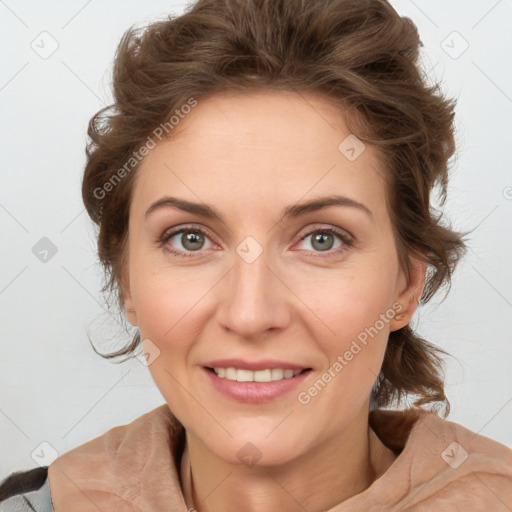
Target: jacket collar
(136,467)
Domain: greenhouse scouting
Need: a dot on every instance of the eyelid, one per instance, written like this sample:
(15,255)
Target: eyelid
(318,227)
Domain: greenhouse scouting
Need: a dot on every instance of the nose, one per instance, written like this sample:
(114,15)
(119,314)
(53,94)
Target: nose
(254,299)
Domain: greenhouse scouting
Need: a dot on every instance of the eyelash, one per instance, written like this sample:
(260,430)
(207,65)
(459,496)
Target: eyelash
(347,241)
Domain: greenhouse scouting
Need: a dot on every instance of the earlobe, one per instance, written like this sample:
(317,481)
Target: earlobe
(131,315)
(129,307)
(409,298)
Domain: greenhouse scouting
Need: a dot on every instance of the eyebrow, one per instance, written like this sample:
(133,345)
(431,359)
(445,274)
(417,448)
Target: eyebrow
(291,211)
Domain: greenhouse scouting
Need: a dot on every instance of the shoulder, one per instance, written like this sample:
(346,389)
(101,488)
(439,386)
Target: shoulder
(472,469)
(461,444)
(401,429)
(26,491)
(440,461)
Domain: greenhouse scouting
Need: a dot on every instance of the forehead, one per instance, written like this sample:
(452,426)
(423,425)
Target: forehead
(267,118)
(261,148)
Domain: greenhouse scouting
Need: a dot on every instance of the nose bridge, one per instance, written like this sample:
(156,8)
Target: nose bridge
(254,298)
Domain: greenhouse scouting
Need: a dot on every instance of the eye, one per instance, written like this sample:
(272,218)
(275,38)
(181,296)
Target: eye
(323,240)
(191,239)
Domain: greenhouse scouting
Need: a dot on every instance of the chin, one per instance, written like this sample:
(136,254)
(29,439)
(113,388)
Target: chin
(257,450)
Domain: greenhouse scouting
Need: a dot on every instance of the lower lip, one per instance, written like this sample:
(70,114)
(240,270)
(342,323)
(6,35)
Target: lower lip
(255,392)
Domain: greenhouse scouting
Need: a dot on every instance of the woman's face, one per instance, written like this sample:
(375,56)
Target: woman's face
(267,286)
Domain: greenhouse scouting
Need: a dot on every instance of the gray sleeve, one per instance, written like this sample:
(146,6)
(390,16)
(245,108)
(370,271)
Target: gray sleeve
(34,501)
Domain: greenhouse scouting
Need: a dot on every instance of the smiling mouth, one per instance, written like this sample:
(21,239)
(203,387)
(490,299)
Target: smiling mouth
(267,375)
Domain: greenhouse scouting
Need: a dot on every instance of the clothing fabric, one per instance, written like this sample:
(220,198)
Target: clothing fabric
(34,501)
(440,466)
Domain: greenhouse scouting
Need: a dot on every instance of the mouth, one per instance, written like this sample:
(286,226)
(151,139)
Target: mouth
(264,382)
(265,375)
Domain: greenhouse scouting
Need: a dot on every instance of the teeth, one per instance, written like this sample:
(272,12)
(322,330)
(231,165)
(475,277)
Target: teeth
(277,374)
(257,376)
(262,376)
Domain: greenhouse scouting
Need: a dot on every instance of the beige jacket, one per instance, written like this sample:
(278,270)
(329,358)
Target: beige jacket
(441,467)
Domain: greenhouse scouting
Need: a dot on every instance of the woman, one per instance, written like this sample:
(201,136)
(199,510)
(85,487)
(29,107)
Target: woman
(262,190)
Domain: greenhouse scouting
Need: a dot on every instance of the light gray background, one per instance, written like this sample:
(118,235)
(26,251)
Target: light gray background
(54,389)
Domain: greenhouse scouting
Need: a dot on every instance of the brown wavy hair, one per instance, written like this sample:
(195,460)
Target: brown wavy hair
(358,53)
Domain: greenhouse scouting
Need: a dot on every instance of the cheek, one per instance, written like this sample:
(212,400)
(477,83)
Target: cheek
(166,309)
(357,309)
(165,300)
(156,311)
(169,309)
(348,302)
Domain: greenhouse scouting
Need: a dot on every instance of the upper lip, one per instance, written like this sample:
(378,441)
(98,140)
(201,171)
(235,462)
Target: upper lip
(254,365)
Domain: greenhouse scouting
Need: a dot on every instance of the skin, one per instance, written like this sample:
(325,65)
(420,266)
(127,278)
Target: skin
(249,156)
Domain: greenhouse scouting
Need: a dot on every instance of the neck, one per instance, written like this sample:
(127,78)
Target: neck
(338,469)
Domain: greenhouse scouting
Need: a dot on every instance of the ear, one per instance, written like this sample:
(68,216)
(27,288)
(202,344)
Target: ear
(409,297)
(129,307)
